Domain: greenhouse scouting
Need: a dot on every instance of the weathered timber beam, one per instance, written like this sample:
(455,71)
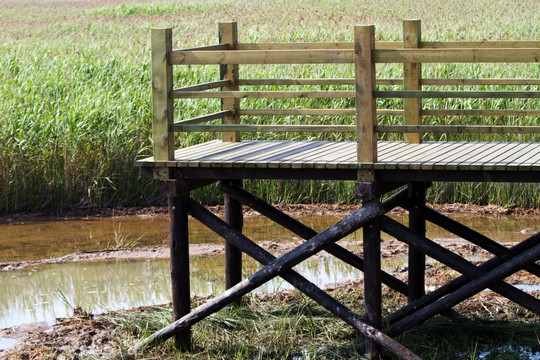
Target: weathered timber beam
(423,94)
(467,233)
(202,119)
(456,262)
(305,232)
(480,44)
(302,56)
(336,94)
(480,112)
(473,287)
(350,81)
(275,267)
(457,129)
(205,86)
(456,283)
(267,128)
(456,55)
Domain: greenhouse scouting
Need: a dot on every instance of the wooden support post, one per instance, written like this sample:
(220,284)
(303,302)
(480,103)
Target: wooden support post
(366,117)
(233,255)
(372,283)
(417,259)
(179,246)
(228,34)
(412,73)
(162,104)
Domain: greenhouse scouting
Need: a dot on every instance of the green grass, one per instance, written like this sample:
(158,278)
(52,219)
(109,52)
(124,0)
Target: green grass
(75,110)
(288,325)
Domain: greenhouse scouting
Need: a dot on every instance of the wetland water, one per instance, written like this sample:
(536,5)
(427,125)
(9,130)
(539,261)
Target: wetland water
(44,292)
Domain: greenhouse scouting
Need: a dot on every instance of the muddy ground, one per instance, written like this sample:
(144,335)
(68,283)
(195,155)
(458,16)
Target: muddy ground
(86,334)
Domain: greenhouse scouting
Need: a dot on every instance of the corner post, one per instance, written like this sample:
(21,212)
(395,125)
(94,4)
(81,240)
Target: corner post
(162,104)
(366,118)
(228,34)
(417,259)
(412,74)
(178,195)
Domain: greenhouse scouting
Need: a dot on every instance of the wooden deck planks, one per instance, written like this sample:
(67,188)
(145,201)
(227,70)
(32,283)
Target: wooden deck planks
(451,156)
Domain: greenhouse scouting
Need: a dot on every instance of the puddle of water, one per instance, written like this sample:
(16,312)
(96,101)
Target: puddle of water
(45,292)
(6,343)
(38,240)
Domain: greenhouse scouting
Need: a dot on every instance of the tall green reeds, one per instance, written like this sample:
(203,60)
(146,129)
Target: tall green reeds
(75,96)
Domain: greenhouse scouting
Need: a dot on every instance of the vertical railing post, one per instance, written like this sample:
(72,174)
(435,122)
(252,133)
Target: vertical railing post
(412,74)
(162,104)
(228,34)
(366,119)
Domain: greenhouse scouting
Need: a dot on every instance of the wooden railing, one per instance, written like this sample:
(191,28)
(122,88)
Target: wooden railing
(364,53)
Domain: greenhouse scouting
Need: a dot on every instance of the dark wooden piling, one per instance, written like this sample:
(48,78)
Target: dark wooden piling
(417,259)
(233,255)
(372,283)
(178,196)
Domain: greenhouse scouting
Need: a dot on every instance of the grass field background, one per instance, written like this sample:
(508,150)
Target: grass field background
(75,96)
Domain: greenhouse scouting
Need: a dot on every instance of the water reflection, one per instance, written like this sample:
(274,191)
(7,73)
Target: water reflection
(37,240)
(46,292)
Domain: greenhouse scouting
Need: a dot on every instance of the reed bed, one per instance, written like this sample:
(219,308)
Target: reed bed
(76,101)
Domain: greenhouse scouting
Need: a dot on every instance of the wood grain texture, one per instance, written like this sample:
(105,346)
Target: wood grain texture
(412,73)
(393,155)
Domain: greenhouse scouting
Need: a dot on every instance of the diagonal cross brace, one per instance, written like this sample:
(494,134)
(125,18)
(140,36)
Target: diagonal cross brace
(468,290)
(447,257)
(306,232)
(466,233)
(458,282)
(282,267)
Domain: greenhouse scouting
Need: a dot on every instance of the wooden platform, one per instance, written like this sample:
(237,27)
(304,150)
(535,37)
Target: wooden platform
(444,161)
